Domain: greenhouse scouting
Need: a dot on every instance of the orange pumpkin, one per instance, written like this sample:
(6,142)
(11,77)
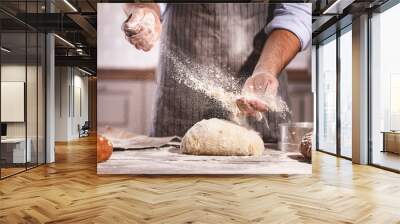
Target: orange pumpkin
(104,149)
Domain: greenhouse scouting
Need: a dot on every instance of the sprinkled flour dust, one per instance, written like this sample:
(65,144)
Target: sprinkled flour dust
(221,87)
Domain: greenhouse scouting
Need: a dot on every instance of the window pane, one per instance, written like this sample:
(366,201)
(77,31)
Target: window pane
(385,84)
(14,153)
(345,94)
(31,97)
(327,97)
(41,98)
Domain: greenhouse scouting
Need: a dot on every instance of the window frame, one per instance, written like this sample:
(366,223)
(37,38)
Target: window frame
(26,30)
(333,37)
(378,10)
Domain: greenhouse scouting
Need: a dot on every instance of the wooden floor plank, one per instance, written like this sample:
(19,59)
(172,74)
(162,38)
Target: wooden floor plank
(70,191)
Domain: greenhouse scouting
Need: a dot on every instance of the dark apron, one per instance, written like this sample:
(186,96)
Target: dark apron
(227,35)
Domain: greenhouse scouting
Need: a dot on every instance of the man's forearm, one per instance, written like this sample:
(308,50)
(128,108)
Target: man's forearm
(280,48)
(154,6)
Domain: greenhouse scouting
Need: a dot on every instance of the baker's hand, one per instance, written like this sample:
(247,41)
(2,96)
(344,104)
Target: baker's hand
(258,85)
(142,28)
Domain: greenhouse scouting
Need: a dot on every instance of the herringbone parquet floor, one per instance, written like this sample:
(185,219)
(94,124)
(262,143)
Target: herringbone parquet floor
(69,191)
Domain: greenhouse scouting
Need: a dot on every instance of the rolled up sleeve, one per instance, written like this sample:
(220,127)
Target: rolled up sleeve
(163,7)
(295,17)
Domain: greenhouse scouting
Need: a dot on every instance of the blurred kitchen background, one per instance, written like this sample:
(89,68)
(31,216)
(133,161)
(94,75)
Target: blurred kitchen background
(126,78)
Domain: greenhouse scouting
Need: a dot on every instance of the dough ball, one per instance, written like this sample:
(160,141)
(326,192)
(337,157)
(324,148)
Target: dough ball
(305,146)
(221,138)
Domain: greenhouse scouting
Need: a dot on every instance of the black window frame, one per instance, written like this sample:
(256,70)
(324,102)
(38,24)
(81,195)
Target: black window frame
(30,29)
(347,27)
(380,9)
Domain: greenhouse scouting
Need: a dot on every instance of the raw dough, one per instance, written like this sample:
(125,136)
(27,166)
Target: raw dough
(221,138)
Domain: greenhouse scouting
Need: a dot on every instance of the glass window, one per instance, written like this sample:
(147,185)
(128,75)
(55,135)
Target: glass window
(327,96)
(32,95)
(14,153)
(41,79)
(346,93)
(385,89)
(22,91)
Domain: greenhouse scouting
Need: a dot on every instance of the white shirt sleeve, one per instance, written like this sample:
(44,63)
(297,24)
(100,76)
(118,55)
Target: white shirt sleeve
(163,7)
(295,17)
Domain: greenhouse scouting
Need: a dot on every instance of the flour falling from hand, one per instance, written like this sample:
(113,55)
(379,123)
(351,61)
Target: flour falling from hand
(221,87)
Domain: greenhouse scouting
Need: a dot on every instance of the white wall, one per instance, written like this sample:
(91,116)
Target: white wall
(17,73)
(33,126)
(126,104)
(79,117)
(12,73)
(301,101)
(62,81)
(67,116)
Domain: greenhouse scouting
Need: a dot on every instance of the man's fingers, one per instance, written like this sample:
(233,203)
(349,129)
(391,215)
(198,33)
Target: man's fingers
(133,24)
(142,28)
(131,32)
(135,43)
(243,106)
(143,46)
(138,46)
(144,40)
(132,28)
(147,47)
(251,107)
(139,43)
(258,105)
(135,18)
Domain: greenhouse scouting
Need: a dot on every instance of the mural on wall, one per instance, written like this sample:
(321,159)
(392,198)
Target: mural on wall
(202,88)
